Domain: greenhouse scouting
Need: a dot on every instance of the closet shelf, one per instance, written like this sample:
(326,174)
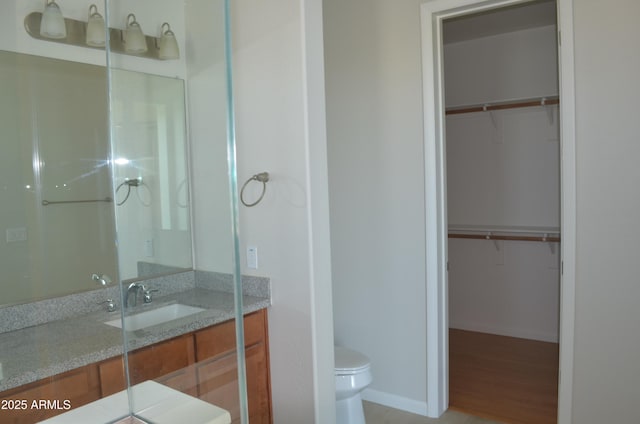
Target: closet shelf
(510,233)
(486,107)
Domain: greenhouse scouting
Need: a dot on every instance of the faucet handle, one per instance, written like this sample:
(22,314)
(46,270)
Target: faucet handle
(103,279)
(147,295)
(111,305)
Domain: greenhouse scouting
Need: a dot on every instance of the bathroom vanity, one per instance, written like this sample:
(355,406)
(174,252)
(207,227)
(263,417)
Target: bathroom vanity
(195,355)
(203,364)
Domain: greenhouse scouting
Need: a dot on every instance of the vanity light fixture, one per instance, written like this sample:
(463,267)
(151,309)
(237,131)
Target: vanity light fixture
(134,39)
(168,44)
(95,28)
(52,24)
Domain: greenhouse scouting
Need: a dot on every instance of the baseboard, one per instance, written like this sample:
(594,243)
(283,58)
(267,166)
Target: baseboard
(395,401)
(506,331)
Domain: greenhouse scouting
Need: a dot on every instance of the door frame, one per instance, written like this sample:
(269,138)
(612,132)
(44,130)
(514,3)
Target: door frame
(432,14)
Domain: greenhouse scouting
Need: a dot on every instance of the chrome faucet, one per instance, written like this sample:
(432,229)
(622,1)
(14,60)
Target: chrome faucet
(134,288)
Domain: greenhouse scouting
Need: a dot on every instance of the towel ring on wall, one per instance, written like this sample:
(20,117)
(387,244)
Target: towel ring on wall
(133,182)
(263,178)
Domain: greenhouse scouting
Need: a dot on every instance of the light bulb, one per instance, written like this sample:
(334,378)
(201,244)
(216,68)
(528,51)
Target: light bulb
(95,28)
(134,39)
(168,44)
(52,24)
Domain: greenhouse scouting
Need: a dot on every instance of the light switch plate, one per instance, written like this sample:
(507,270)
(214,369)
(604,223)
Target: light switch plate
(252,257)
(16,234)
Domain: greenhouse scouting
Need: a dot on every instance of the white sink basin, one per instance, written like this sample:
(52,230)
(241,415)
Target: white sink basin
(155,316)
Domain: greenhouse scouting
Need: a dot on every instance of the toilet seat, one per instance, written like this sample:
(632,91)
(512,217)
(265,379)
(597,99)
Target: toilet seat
(349,362)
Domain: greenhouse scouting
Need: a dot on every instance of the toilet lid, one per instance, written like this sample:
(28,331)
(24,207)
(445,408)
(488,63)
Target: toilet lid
(349,361)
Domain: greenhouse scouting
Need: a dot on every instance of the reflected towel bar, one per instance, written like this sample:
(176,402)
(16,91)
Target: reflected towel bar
(58,202)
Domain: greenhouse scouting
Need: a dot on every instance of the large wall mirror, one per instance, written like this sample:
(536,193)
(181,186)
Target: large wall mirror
(66,212)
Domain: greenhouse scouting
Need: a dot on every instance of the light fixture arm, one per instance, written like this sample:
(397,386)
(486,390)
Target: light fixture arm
(76,31)
(168,30)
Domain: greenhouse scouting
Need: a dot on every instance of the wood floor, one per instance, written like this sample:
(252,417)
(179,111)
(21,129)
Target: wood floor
(506,379)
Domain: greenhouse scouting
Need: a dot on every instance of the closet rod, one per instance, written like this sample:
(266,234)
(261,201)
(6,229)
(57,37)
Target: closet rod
(546,239)
(543,101)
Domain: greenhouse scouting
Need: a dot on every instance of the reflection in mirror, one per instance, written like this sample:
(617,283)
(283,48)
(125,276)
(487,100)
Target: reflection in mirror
(57,220)
(151,176)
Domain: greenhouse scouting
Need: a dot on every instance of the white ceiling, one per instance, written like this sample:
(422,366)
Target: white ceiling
(497,21)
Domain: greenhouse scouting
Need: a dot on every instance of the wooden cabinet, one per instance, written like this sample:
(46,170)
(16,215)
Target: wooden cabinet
(50,397)
(217,370)
(202,364)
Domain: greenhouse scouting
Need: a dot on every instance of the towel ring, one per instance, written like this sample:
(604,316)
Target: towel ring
(262,177)
(134,182)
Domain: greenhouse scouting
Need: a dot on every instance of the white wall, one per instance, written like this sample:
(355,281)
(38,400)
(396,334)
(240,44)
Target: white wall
(607,64)
(503,168)
(372,51)
(517,65)
(512,290)
(277,48)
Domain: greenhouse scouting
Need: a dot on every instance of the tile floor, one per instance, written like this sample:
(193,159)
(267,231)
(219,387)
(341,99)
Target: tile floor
(378,414)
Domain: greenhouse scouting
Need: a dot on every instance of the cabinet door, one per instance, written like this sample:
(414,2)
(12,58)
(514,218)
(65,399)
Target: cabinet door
(218,383)
(258,385)
(50,397)
(112,376)
(217,369)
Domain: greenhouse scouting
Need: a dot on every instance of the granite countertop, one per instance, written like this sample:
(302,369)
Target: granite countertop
(44,350)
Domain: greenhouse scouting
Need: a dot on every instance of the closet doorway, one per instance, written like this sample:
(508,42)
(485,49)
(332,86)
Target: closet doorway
(503,212)
(495,185)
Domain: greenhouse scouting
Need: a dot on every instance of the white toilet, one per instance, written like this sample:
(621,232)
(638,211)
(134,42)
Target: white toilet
(353,375)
